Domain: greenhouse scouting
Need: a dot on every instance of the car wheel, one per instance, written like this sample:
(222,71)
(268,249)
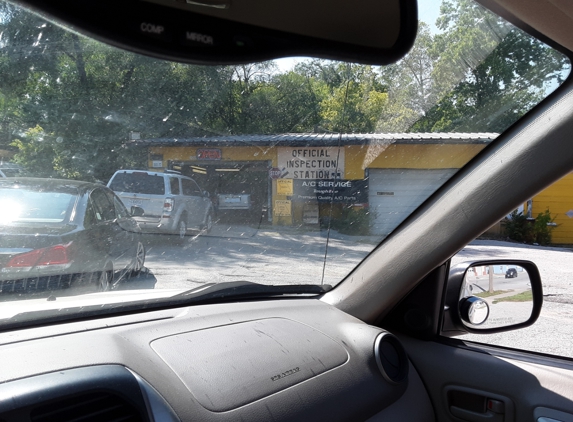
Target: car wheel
(139,260)
(208,223)
(181,229)
(104,281)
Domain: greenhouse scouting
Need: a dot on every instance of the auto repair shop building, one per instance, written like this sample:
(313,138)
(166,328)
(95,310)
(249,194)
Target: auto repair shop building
(293,178)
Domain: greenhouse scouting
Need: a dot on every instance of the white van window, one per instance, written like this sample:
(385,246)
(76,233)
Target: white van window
(174,184)
(138,182)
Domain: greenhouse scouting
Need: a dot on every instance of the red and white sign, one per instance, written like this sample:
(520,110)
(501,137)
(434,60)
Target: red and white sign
(209,154)
(275,173)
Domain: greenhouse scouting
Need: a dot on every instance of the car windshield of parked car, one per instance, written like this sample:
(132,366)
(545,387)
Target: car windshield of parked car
(281,173)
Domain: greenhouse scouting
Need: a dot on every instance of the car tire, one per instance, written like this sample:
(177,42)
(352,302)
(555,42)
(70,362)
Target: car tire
(181,231)
(138,260)
(104,281)
(208,222)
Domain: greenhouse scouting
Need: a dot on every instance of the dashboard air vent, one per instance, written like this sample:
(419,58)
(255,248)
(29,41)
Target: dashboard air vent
(391,358)
(90,407)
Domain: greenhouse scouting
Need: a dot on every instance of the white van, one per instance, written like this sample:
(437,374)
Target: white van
(171,203)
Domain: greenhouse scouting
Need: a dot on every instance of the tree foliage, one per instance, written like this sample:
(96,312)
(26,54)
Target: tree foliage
(487,74)
(530,230)
(68,103)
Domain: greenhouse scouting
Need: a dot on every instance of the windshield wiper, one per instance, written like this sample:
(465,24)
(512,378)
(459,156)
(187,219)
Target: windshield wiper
(248,290)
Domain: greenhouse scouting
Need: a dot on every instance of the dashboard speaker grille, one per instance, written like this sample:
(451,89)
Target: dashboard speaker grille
(91,407)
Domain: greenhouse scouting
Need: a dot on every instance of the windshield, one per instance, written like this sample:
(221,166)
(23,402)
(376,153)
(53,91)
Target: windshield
(296,168)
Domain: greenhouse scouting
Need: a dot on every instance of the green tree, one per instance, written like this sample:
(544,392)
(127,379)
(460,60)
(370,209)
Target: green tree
(356,103)
(36,152)
(488,73)
(411,86)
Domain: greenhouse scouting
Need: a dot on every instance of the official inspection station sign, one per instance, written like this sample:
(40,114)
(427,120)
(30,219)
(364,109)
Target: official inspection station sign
(311,162)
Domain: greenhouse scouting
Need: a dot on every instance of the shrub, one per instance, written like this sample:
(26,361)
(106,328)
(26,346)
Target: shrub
(542,229)
(353,221)
(521,229)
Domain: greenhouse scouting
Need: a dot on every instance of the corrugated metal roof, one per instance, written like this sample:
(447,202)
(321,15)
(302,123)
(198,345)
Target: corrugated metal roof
(309,139)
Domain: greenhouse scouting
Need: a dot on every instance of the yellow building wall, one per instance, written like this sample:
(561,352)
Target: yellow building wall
(558,199)
(429,156)
(357,158)
(229,154)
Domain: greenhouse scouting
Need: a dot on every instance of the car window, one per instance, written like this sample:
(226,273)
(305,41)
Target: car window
(103,207)
(138,182)
(10,172)
(539,231)
(30,205)
(310,163)
(120,210)
(190,188)
(90,218)
(174,185)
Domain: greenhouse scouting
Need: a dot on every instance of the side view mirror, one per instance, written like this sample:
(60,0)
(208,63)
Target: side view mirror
(206,194)
(137,211)
(485,297)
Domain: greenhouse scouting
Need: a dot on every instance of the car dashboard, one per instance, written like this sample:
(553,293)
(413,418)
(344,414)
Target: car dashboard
(289,359)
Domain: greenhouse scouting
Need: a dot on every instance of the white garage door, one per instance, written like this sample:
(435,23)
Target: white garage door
(394,193)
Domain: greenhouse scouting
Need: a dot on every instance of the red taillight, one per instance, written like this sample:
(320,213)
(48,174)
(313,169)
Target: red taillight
(27,259)
(54,255)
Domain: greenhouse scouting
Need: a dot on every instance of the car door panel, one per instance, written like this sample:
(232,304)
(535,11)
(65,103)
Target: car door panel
(117,241)
(403,408)
(529,385)
(193,201)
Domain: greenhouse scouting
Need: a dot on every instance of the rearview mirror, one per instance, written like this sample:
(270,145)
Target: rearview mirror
(493,296)
(241,31)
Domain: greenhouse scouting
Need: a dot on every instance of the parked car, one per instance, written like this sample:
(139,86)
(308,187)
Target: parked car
(230,201)
(59,234)
(511,273)
(8,169)
(171,203)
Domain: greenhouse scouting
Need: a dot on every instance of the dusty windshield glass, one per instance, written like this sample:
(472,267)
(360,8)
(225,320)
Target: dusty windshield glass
(287,172)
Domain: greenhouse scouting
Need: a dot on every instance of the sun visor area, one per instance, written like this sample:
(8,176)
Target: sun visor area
(233,365)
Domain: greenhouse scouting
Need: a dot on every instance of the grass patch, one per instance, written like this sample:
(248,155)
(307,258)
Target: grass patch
(521,297)
(495,293)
